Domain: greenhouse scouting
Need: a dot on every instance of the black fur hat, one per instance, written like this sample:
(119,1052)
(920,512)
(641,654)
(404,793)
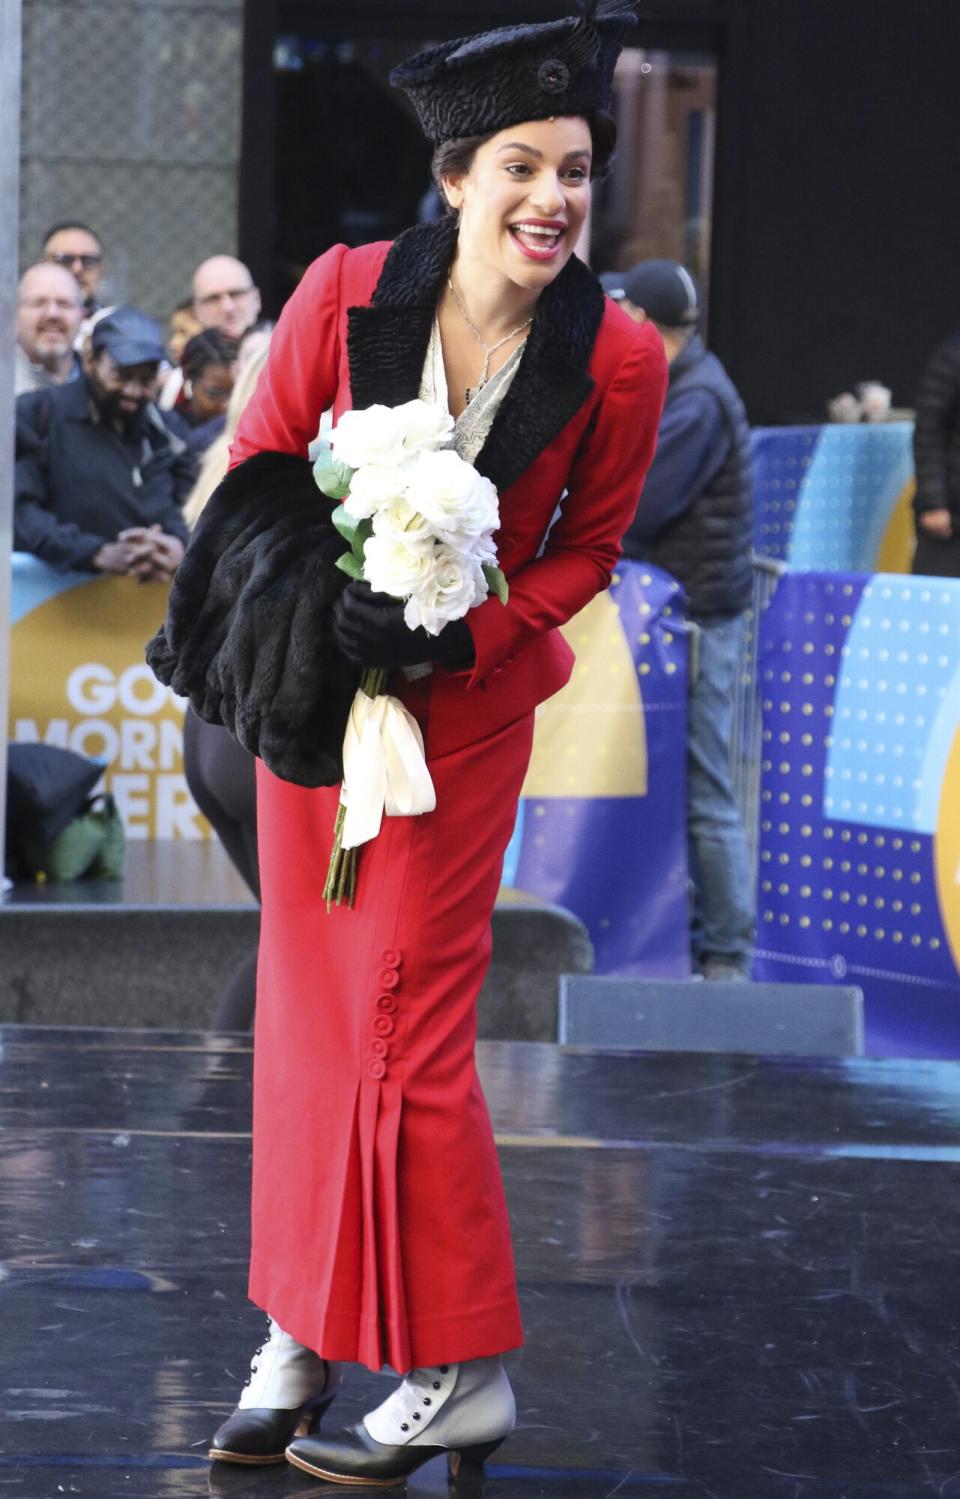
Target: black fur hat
(481,84)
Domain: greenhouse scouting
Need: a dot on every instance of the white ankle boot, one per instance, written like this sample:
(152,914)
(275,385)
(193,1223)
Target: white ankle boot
(455,1405)
(284,1374)
(289,1389)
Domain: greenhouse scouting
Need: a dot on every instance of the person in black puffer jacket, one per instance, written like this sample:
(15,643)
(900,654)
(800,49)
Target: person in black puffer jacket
(936,451)
(696,521)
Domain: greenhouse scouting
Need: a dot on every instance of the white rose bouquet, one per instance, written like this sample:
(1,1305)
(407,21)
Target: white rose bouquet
(419,521)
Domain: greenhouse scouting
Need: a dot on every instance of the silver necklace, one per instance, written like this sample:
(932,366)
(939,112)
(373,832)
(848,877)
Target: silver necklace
(488,349)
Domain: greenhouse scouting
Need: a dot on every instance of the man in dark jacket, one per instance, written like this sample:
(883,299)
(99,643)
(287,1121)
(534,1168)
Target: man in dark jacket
(936,451)
(695,521)
(100,478)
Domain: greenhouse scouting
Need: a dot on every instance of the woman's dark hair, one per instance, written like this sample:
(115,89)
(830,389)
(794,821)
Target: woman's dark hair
(455,157)
(603,128)
(206,348)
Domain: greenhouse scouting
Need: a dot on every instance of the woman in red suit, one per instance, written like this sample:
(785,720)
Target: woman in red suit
(380,1231)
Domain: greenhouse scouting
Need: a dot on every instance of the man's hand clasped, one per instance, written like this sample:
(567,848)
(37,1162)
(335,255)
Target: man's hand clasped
(143,552)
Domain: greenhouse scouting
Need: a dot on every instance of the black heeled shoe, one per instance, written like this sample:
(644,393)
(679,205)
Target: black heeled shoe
(352,1456)
(261,1435)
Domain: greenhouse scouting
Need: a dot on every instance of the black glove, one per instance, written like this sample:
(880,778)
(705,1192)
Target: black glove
(369,629)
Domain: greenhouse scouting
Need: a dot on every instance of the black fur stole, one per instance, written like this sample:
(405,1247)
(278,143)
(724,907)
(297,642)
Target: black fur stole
(247,635)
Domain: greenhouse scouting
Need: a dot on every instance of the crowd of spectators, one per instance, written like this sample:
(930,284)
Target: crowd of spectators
(112,418)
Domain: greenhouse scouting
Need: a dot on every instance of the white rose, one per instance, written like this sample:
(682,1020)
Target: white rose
(373,435)
(457,500)
(373,488)
(399,522)
(425,427)
(479,549)
(394,567)
(455,585)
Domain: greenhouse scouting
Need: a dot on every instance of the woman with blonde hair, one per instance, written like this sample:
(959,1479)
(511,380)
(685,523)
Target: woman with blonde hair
(216,459)
(219,771)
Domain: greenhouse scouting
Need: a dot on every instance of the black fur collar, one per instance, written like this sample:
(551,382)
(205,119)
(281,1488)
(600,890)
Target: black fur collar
(387,344)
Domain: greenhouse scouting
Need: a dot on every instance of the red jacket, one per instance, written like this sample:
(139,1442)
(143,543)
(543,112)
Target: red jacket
(581,416)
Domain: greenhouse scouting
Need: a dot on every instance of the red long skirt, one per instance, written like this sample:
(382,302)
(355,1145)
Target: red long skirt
(380,1229)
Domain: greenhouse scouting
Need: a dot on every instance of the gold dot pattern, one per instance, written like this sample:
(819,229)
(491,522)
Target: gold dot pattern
(781,461)
(834,890)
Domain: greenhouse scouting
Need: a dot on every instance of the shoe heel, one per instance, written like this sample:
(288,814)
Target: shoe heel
(468,1462)
(313,1414)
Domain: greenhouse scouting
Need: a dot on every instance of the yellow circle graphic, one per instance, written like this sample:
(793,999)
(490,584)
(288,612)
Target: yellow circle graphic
(590,739)
(895,553)
(947,850)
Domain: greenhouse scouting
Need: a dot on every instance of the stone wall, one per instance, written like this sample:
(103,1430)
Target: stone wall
(131,122)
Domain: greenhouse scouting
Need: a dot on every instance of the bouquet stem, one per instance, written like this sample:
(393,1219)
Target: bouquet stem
(341,882)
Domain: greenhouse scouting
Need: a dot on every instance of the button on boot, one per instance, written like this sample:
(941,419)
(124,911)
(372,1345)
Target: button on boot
(464,1410)
(286,1395)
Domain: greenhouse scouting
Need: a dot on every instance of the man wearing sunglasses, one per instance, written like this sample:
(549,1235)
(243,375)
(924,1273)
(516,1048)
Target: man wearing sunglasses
(224,296)
(77,248)
(225,300)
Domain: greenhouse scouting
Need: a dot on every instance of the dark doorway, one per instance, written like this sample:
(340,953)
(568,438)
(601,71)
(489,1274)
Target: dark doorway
(351,164)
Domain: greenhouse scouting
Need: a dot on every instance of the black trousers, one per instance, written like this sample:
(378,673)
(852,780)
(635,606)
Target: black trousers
(220,775)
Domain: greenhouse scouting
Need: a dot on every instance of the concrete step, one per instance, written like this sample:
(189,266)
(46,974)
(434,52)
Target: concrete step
(156,948)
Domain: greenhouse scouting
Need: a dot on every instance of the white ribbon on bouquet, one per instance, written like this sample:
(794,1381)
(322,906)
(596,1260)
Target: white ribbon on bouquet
(384,768)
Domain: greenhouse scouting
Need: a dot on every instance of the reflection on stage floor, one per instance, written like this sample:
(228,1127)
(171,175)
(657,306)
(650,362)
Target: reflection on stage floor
(739,1275)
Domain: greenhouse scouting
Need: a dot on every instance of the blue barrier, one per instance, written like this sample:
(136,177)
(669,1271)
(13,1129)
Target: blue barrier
(834,497)
(858,856)
(860,799)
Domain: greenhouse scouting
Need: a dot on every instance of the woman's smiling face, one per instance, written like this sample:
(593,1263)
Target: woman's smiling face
(525,198)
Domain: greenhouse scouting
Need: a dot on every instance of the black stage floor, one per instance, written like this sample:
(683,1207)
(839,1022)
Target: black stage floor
(741,1277)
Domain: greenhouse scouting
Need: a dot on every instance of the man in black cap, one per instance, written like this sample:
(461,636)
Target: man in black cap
(695,522)
(100,478)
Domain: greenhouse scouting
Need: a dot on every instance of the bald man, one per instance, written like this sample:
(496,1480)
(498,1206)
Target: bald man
(224,295)
(49,312)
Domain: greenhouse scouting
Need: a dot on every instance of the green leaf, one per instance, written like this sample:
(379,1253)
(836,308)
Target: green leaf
(362,531)
(345,523)
(348,564)
(496,582)
(332,476)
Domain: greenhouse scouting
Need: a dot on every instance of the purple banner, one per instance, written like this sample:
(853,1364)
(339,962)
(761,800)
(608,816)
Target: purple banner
(602,828)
